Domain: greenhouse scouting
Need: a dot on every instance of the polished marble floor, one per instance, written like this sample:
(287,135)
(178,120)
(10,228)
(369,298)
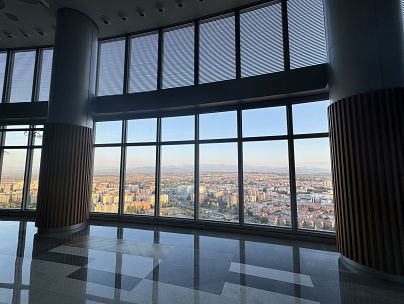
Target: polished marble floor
(147,264)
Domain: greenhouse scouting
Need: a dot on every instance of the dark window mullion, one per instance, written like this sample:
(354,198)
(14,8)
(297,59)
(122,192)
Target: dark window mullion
(196,52)
(126,72)
(122,169)
(285,30)
(7,77)
(158,170)
(28,170)
(196,169)
(160,59)
(240,166)
(37,75)
(292,169)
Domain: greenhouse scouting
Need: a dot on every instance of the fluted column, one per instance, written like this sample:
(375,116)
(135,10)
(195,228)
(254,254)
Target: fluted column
(366,52)
(66,166)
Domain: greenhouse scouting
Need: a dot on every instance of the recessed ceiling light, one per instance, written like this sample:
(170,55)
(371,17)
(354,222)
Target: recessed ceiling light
(40,32)
(11,16)
(30,1)
(123,17)
(9,35)
(25,34)
(105,20)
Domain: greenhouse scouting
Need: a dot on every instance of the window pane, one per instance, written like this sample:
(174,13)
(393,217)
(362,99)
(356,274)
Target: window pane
(178,128)
(177,181)
(218,125)
(266,183)
(217,51)
(218,188)
(3,62)
(46,73)
(140,180)
(12,178)
(314,185)
(105,196)
(264,122)
(143,63)
(310,117)
(22,76)
(108,132)
(261,40)
(111,67)
(33,189)
(306,33)
(142,130)
(38,136)
(16,138)
(178,57)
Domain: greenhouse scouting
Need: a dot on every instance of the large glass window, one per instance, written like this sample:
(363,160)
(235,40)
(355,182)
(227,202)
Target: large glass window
(19,163)
(140,180)
(264,122)
(266,183)
(111,67)
(22,78)
(307,42)
(261,40)
(310,117)
(143,63)
(106,180)
(218,125)
(3,62)
(33,186)
(12,178)
(177,181)
(217,52)
(314,185)
(239,161)
(108,132)
(178,57)
(218,188)
(46,73)
(178,128)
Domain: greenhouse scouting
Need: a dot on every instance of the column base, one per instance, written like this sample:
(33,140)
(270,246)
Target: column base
(363,270)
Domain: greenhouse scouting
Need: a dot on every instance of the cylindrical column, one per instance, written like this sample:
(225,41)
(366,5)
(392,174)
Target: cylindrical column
(366,52)
(65,175)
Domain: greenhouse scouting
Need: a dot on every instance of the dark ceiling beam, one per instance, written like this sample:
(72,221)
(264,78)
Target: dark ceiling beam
(305,81)
(23,112)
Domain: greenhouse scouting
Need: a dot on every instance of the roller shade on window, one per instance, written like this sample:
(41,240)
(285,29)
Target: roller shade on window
(261,40)
(143,63)
(46,73)
(307,40)
(3,62)
(178,57)
(22,76)
(217,53)
(111,67)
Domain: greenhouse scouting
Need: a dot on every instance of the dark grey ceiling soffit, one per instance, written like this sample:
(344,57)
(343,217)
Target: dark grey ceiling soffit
(26,23)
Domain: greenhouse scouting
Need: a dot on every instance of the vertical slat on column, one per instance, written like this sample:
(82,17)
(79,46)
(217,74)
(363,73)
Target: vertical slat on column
(366,133)
(65,176)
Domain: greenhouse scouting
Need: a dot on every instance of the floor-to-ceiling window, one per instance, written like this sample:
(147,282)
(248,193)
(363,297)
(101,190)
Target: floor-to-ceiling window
(264,167)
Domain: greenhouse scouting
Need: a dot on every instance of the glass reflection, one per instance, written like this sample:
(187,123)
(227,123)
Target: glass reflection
(140,180)
(266,183)
(314,184)
(105,195)
(177,181)
(12,178)
(218,188)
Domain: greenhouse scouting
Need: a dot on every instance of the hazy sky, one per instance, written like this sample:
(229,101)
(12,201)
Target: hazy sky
(307,118)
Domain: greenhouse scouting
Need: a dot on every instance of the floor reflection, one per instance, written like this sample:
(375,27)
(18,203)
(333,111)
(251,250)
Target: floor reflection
(110,264)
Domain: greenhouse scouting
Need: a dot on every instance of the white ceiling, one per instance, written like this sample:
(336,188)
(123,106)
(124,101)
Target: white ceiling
(23,21)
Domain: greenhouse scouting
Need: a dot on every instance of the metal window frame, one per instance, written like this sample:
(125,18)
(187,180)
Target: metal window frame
(30,148)
(289,137)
